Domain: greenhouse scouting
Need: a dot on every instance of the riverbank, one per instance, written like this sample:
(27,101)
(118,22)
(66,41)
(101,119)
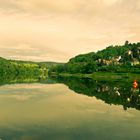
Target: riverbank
(103,75)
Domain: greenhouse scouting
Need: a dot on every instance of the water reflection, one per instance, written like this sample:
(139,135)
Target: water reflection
(24,79)
(44,110)
(111,92)
(115,92)
(54,112)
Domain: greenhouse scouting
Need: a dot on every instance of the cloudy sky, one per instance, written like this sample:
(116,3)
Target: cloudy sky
(56,30)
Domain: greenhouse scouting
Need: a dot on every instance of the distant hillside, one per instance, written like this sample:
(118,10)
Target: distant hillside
(50,64)
(17,71)
(119,54)
(9,69)
(123,58)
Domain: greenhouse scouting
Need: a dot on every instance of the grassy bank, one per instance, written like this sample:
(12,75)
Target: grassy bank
(105,75)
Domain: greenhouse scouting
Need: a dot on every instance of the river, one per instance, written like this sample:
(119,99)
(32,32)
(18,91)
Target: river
(69,109)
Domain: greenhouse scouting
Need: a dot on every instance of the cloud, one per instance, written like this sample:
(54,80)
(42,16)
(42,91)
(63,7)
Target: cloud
(57,30)
(111,2)
(57,7)
(47,5)
(53,6)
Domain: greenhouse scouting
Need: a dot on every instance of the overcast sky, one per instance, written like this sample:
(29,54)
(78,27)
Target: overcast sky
(56,30)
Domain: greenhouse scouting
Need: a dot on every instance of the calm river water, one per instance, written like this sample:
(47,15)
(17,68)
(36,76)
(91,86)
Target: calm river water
(70,109)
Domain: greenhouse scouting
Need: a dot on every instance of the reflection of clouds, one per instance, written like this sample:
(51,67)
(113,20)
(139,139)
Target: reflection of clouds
(24,92)
(21,98)
(17,97)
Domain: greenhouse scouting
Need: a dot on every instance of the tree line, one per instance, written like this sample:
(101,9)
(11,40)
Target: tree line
(119,58)
(13,68)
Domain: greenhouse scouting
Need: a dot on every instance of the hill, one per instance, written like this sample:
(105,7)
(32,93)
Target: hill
(17,71)
(9,69)
(119,58)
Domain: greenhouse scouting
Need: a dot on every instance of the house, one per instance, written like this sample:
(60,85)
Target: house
(118,58)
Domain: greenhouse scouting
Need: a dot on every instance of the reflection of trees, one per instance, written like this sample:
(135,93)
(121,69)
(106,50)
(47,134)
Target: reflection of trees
(12,79)
(111,92)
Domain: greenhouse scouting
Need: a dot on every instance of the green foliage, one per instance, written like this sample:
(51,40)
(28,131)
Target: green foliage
(113,58)
(12,68)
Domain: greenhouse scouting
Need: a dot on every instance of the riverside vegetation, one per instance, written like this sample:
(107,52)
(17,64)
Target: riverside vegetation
(114,59)
(120,61)
(13,71)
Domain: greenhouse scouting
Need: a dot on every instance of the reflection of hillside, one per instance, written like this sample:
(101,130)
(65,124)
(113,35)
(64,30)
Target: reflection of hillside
(113,92)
